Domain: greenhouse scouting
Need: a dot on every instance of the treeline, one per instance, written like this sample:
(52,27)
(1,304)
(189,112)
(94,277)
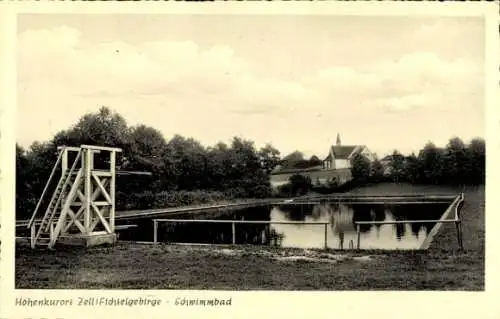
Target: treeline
(456,164)
(296,160)
(183,170)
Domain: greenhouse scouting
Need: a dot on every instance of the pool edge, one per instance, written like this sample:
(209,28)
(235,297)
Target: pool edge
(428,240)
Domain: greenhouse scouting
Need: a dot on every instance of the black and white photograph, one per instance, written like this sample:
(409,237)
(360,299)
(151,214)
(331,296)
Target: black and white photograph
(249,152)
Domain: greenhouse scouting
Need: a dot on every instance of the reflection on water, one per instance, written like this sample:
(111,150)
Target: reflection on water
(340,219)
(341,230)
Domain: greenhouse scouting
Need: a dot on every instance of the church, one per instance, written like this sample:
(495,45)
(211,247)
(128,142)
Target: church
(339,156)
(336,166)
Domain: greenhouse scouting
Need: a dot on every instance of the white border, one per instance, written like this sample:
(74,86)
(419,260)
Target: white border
(255,304)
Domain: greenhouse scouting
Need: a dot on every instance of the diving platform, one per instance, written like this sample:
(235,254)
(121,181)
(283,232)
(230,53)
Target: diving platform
(81,209)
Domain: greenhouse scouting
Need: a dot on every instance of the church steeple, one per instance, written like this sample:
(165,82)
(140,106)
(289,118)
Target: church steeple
(338,139)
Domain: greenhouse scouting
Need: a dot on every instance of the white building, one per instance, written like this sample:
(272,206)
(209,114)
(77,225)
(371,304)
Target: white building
(340,156)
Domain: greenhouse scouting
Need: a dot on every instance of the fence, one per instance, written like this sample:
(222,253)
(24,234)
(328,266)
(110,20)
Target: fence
(233,224)
(456,205)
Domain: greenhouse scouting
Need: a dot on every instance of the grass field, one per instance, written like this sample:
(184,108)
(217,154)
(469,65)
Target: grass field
(135,266)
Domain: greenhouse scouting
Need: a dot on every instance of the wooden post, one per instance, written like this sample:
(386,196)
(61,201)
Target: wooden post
(33,234)
(51,232)
(64,162)
(341,236)
(87,153)
(461,235)
(155,231)
(458,225)
(234,232)
(64,169)
(326,238)
(112,191)
(358,231)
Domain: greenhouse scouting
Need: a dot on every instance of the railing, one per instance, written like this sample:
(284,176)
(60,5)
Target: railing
(456,204)
(233,224)
(458,223)
(50,214)
(66,182)
(32,219)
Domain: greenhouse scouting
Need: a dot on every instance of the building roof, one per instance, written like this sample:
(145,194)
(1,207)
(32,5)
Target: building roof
(343,151)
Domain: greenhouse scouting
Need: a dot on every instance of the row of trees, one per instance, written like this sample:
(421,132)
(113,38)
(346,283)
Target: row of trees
(456,164)
(180,165)
(184,171)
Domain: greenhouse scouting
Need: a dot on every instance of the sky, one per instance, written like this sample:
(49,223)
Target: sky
(294,81)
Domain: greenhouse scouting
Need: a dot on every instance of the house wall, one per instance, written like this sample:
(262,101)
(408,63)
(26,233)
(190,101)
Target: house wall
(328,165)
(342,164)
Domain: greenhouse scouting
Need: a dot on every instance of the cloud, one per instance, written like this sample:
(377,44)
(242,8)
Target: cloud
(415,80)
(183,85)
(167,67)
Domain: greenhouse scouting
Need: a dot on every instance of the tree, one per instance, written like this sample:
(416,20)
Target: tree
(146,150)
(376,170)
(186,161)
(246,169)
(292,158)
(218,159)
(104,128)
(25,201)
(397,166)
(476,158)
(431,159)
(269,157)
(455,162)
(360,167)
(412,169)
(314,161)
(300,184)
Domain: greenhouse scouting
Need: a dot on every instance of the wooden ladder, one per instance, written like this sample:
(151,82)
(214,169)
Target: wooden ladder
(55,214)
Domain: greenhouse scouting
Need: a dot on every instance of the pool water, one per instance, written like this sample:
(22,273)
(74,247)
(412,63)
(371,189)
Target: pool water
(340,229)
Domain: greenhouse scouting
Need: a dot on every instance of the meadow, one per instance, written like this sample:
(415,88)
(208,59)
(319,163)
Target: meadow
(143,266)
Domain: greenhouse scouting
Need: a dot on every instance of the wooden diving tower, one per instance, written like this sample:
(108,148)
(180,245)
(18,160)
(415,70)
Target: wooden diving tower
(81,210)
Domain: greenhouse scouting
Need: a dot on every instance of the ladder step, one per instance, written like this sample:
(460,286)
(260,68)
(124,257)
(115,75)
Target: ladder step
(43,244)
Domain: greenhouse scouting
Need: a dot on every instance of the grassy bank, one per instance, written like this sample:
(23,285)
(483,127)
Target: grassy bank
(442,267)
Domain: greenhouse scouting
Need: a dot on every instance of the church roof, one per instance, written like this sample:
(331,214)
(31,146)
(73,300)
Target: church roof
(343,151)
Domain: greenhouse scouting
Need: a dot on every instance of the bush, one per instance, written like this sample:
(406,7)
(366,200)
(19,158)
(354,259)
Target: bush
(149,200)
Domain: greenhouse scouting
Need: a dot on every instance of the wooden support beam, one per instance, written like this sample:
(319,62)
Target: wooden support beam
(98,172)
(128,173)
(112,190)
(102,203)
(101,148)
(88,189)
(101,187)
(74,220)
(101,218)
(68,148)
(64,212)
(101,173)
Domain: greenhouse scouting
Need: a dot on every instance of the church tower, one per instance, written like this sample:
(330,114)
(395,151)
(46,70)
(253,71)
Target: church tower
(338,140)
